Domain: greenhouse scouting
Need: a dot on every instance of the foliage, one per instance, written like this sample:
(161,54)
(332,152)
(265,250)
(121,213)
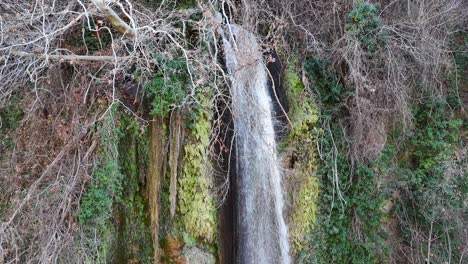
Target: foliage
(98,202)
(331,92)
(195,203)
(96,205)
(167,88)
(431,183)
(363,22)
(94,40)
(458,76)
(350,230)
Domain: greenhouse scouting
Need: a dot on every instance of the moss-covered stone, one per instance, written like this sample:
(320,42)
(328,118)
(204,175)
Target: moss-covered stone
(133,241)
(302,141)
(196,205)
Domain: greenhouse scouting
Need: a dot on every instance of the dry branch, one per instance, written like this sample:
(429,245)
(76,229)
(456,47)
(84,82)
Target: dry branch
(68,57)
(115,19)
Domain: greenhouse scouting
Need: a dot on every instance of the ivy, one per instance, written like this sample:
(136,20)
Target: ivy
(330,91)
(350,227)
(133,228)
(96,208)
(435,183)
(106,185)
(10,118)
(167,88)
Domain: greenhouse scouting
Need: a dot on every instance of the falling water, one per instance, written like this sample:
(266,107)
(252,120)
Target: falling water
(263,234)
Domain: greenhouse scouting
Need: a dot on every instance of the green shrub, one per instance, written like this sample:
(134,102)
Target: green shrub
(434,182)
(10,118)
(133,240)
(363,22)
(331,92)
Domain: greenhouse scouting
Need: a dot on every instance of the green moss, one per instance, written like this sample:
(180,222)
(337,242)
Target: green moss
(114,211)
(302,139)
(304,214)
(97,204)
(196,205)
(133,232)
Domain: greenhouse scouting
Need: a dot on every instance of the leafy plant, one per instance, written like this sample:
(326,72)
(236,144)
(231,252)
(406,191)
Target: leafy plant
(363,22)
(350,229)
(10,118)
(331,92)
(106,185)
(433,180)
(167,88)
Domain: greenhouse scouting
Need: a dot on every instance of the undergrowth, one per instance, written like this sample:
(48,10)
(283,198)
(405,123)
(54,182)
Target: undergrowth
(350,200)
(134,237)
(105,187)
(113,212)
(363,22)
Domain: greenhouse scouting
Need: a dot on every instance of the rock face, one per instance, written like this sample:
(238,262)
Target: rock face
(194,255)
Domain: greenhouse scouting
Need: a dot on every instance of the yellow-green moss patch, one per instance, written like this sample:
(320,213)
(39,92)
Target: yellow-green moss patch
(195,203)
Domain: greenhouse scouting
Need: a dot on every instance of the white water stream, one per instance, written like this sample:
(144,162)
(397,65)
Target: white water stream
(263,234)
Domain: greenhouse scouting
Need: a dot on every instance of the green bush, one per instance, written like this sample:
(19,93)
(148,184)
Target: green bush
(363,22)
(133,239)
(432,184)
(10,118)
(331,92)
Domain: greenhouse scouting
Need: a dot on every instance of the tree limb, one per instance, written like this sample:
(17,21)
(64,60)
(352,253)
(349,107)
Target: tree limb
(114,19)
(67,57)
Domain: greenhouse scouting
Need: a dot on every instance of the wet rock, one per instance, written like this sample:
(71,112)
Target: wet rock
(194,255)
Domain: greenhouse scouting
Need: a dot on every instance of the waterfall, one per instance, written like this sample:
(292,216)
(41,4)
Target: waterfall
(262,231)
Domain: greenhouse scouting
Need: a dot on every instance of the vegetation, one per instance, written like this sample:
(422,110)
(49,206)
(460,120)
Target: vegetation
(431,183)
(303,142)
(10,118)
(363,22)
(96,207)
(196,204)
(350,201)
(167,88)
(133,240)
(374,164)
